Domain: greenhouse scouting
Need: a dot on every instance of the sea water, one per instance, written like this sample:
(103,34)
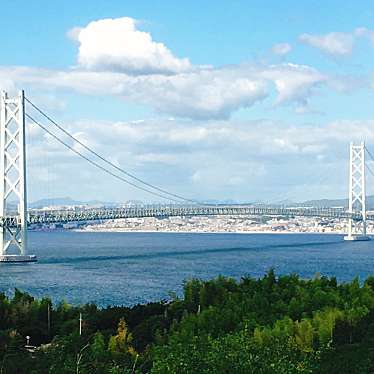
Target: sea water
(109,268)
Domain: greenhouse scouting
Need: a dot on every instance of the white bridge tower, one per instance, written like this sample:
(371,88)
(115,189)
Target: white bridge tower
(13,198)
(357,193)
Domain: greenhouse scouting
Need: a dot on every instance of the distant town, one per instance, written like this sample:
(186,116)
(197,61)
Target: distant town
(228,224)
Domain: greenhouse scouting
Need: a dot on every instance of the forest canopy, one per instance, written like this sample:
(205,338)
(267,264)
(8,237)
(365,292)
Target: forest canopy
(276,324)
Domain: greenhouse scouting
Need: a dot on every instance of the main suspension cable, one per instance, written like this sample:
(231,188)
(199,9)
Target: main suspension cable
(370,171)
(366,165)
(106,160)
(369,153)
(96,164)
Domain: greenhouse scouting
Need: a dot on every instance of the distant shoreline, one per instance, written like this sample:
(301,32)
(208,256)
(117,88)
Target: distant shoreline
(206,232)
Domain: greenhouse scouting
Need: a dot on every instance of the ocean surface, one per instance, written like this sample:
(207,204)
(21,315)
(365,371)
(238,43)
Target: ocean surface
(130,268)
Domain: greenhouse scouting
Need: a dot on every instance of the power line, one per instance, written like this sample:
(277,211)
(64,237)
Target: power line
(96,164)
(372,158)
(106,160)
(367,166)
(370,171)
(368,152)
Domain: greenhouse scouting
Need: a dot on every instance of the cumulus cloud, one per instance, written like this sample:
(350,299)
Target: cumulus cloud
(205,93)
(118,45)
(281,49)
(115,58)
(294,82)
(337,44)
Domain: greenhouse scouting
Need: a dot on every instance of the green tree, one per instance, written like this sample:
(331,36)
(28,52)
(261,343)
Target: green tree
(304,335)
(324,321)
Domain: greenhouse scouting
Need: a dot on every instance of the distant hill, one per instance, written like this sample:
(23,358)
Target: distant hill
(219,202)
(330,203)
(327,203)
(66,201)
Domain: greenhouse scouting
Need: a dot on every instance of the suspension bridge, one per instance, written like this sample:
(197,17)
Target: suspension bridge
(13,187)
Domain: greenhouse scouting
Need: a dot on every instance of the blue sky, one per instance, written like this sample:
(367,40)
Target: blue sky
(242,100)
(207,32)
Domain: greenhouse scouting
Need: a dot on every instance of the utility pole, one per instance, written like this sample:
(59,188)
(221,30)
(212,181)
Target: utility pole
(49,319)
(80,323)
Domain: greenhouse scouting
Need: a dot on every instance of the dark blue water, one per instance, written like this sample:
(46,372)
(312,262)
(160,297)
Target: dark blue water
(129,268)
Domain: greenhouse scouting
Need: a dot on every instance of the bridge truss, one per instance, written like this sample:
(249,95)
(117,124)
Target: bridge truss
(65,216)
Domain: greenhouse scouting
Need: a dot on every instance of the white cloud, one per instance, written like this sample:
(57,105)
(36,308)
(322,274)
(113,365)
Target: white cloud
(217,158)
(294,82)
(117,45)
(8,84)
(204,94)
(334,43)
(246,160)
(337,44)
(73,34)
(117,59)
(281,49)
(201,94)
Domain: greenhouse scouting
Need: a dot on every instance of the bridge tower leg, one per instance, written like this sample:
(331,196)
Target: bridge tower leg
(13,230)
(357,193)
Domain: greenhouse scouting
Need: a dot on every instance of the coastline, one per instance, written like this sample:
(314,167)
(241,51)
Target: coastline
(267,232)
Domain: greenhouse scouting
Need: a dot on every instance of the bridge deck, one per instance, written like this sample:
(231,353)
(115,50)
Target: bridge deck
(64,216)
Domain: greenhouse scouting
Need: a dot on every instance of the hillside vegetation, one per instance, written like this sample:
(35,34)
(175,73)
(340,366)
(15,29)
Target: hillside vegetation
(270,325)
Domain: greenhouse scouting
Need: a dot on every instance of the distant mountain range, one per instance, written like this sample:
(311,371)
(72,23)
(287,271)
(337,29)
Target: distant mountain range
(328,203)
(67,201)
(319,203)
(220,202)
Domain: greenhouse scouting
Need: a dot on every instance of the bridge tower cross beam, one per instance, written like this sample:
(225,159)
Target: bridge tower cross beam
(13,230)
(357,193)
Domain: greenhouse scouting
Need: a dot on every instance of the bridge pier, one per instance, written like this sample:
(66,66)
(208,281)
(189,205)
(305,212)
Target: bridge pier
(360,238)
(357,193)
(13,241)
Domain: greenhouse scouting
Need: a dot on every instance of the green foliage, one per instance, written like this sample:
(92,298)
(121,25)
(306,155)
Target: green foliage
(121,343)
(238,352)
(324,321)
(270,325)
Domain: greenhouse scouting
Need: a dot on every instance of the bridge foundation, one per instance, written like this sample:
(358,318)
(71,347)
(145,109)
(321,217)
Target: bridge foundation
(357,193)
(356,238)
(13,197)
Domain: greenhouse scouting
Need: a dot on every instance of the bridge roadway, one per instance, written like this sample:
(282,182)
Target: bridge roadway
(64,216)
